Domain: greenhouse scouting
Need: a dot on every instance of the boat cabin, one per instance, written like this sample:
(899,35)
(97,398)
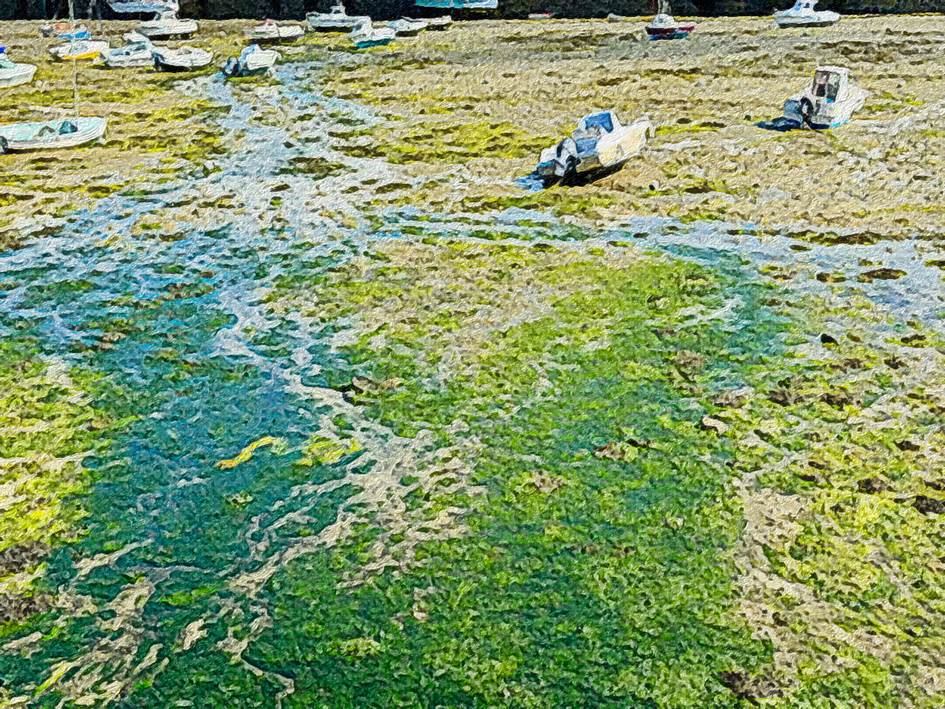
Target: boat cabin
(829,82)
(804,6)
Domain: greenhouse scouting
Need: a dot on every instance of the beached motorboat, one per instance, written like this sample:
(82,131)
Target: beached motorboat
(541,15)
(252,61)
(83,49)
(181,59)
(136,7)
(138,52)
(664,25)
(335,20)
(66,31)
(828,101)
(434,24)
(50,135)
(803,14)
(407,28)
(599,145)
(367,35)
(12,73)
(459,4)
(272,32)
(167,24)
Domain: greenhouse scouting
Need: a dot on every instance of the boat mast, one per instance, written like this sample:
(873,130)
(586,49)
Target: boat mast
(75,64)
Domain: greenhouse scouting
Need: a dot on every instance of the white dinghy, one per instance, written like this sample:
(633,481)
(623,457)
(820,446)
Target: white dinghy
(367,35)
(14,74)
(599,145)
(53,135)
(434,24)
(252,61)
(407,28)
(78,50)
(167,24)
(803,14)
(335,20)
(273,32)
(828,101)
(138,52)
(50,135)
(181,59)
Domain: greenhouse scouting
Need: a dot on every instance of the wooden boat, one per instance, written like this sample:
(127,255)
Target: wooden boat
(434,24)
(76,51)
(272,32)
(366,35)
(664,25)
(138,52)
(181,59)
(803,14)
(407,28)
(50,135)
(167,24)
(829,101)
(335,20)
(252,61)
(600,144)
(13,74)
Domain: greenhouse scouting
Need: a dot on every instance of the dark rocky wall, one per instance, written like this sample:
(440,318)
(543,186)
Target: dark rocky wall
(14,9)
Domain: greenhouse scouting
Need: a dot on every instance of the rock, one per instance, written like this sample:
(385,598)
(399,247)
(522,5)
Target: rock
(928,505)
(826,339)
(907,445)
(871,486)
(713,424)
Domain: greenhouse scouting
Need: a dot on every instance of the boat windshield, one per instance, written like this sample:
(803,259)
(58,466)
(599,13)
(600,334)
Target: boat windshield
(600,121)
(5,62)
(826,85)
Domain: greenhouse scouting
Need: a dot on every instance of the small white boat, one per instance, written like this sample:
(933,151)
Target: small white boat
(271,31)
(828,101)
(138,52)
(83,49)
(335,20)
(167,24)
(13,74)
(65,31)
(459,4)
(665,26)
(181,59)
(253,60)
(434,24)
(407,28)
(803,14)
(136,7)
(599,145)
(50,135)
(366,35)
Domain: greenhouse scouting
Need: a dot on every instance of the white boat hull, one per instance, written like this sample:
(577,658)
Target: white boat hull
(183,28)
(274,34)
(19,74)
(816,19)
(21,137)
(184,59)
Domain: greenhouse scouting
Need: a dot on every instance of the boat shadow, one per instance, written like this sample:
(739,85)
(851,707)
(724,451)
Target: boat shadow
(780,124)
(533,182)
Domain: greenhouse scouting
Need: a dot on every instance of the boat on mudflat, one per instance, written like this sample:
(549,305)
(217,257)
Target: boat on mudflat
(407,28)
(252,61)
(12,73)
(665,26)
(83,49)
(167,24)
(803,14)
(181,59)
(599,145)
(272,32)
(367,35)
(459,4)
(335,20)
(829,101)
(141,7)
(138,52)
(66,31)
(50,135)
(434,24)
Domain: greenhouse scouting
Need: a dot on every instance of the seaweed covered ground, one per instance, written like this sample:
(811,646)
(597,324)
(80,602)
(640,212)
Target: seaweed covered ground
(338,413)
